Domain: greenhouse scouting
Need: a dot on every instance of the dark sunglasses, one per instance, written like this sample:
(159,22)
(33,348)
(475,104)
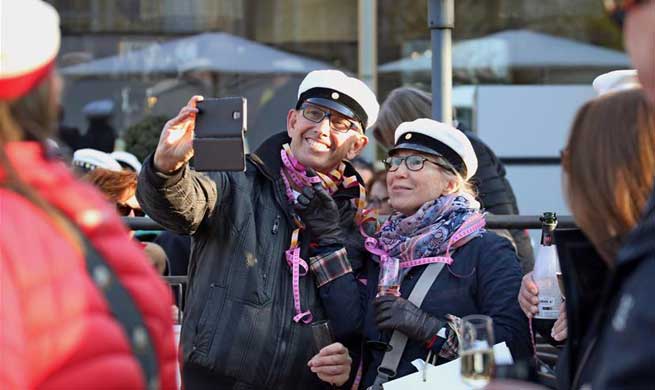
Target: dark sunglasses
(124,210)
(413,163)
(338,123)
(618,9)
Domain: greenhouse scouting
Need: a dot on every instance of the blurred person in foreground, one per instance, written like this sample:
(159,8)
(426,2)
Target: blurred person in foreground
(607,83)
(495,193)
(266,262)
(79,305)
(611,151)
(623,353)
(437,221)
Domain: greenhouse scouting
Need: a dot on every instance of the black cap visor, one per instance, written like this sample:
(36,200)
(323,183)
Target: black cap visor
(332,105)
(425,144)
(414,147)
(335,100)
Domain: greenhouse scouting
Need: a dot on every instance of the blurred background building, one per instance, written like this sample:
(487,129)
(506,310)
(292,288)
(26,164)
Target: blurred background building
(521,68)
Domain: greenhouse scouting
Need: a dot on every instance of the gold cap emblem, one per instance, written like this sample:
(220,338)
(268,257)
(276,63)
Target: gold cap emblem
(408,136)
(335,95)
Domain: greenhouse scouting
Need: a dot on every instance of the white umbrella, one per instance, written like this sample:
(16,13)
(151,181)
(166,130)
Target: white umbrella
(516,49)
(215,52)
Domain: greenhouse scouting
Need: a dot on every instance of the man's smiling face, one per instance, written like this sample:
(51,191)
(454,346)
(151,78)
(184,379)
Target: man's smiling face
(317,146)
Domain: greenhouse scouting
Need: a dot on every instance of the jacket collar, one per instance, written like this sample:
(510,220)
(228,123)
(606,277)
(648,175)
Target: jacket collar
(267,159)
(640,243)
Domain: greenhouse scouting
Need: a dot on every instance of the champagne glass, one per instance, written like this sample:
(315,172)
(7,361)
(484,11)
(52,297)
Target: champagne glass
(389,277)
(476,350)
(321,334)
(388,284)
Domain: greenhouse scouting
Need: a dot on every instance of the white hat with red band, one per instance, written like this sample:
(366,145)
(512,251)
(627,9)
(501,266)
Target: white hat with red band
(29,43)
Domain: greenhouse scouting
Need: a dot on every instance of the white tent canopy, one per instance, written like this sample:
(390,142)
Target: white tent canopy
(214,52)
(515,49)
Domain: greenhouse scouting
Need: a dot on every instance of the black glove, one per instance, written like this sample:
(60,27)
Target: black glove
(395,313)
(320,215)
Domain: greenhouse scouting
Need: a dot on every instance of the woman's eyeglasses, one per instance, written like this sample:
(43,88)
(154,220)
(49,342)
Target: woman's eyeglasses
(413,163)
(124,210)
(618,9)
(338,123)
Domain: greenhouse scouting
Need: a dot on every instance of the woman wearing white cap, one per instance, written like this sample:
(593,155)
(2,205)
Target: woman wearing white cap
(80,306)
(437,220)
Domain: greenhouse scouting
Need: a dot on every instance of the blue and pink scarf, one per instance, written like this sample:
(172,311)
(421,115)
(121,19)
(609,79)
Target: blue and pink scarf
(430,234)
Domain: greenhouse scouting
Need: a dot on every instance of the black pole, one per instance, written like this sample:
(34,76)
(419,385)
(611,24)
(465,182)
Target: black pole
(441,20)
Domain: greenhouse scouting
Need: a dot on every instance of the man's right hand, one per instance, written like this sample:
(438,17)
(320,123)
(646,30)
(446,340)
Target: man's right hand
(175,146)
(529,296)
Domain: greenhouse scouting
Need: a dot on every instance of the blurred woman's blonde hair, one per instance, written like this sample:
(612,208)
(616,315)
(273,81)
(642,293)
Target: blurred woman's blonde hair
(609,166)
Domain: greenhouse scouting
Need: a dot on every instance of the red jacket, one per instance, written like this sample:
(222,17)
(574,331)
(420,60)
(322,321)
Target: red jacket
(56,331)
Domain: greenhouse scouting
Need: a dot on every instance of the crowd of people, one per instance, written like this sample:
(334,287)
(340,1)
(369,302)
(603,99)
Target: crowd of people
(310,234)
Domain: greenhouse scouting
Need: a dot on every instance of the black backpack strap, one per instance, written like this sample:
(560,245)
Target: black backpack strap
(126,312)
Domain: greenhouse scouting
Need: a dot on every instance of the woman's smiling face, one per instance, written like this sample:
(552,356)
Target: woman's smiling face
(409,190)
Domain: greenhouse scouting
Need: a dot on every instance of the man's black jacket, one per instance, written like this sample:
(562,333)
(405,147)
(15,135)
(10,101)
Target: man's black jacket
(238,324)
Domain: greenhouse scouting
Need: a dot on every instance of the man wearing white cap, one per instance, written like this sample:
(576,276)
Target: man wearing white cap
(268,253)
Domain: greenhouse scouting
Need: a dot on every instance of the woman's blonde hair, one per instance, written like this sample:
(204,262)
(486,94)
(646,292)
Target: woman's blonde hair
(462,187)
(609,164)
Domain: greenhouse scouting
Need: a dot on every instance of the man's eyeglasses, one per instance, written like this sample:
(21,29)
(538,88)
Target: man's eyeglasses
(413,163)
(617,9)
(338,123)
(124,210)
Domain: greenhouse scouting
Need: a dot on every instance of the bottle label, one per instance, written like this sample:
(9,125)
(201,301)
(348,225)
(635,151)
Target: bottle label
(548,307)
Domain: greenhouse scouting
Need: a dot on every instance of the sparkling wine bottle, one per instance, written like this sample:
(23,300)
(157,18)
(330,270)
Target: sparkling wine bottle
(546,268)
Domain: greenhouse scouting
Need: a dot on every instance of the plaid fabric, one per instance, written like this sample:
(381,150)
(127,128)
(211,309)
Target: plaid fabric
(330,266)
(450,348)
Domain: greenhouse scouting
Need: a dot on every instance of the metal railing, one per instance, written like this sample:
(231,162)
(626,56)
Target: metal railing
(493,222)
(178,283)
